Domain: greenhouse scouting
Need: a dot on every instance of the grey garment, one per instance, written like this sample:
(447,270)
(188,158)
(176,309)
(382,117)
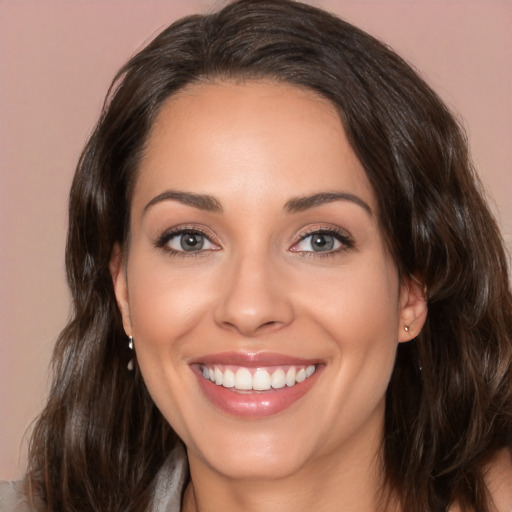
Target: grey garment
(12,497)
(170,482)
(169,485)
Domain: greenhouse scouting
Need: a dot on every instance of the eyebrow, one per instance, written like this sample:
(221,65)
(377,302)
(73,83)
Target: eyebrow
(201,201)
(296,204)
(299,204)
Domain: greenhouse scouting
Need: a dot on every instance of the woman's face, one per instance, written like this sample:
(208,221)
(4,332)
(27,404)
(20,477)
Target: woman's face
(264,306)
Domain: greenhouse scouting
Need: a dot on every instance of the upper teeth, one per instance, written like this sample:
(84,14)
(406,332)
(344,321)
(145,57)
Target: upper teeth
(259,379)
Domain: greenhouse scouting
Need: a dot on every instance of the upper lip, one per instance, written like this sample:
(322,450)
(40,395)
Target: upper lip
(253,359)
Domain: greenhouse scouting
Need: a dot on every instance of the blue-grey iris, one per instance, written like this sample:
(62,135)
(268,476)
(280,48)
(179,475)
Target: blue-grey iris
(322,242)
(191,241)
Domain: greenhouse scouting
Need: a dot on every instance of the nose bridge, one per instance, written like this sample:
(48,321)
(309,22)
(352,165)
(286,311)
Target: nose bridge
(253,298)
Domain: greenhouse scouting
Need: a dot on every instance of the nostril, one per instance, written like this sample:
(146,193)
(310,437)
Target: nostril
(269,326)
(251,329)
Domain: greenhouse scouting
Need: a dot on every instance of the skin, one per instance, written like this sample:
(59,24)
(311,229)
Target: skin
(257,286)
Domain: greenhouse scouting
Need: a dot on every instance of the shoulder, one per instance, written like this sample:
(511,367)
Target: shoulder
(498,477)
(12,497)
(499,480)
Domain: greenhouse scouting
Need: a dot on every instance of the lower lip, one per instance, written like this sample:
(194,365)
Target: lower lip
(259,403)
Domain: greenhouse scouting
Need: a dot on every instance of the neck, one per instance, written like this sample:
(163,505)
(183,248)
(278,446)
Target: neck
(348,480)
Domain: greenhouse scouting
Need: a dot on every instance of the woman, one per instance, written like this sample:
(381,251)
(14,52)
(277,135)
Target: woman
(288,290)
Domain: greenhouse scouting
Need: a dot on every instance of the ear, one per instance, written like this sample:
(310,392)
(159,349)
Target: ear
(413,309)
(118,273)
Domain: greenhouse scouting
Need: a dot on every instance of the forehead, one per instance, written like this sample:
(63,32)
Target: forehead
(222,138)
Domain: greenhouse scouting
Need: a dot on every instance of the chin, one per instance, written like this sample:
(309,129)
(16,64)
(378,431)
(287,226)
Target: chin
(253,454)
(257,463)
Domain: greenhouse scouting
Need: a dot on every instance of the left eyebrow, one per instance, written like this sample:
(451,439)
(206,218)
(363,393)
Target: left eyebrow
(299,204)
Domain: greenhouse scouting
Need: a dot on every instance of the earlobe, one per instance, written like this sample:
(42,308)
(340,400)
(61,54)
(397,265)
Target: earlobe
(413,309)
(118,274)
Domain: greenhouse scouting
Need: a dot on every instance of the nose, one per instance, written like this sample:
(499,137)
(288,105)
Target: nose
(254,298)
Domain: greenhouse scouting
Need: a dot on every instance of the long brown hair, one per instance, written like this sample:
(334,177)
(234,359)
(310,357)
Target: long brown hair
(100,440)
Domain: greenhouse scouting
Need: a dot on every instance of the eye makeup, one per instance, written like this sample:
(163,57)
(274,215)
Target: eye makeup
(323,241)
(191,240)
(186,241)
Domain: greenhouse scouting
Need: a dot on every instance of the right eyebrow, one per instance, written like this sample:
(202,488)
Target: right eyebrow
(200,201)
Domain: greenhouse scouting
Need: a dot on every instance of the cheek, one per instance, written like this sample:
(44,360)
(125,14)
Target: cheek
(165,304)
(356,303)
(361,320)
(358,310)
(167,308)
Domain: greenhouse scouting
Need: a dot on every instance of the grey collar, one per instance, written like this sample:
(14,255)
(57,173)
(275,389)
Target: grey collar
(170,481)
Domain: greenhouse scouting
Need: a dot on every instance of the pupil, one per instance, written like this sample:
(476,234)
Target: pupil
(191,242)
(322,242)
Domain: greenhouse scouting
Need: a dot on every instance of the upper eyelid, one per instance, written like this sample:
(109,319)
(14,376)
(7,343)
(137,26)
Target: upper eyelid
(305,232)
(328,230)
(342,235)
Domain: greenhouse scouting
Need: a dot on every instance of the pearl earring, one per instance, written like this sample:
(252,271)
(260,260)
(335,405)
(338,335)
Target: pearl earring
(130,346)
(406,328)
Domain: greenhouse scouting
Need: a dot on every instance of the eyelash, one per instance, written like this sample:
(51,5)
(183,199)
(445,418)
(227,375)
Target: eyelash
(163,241)
(339,235)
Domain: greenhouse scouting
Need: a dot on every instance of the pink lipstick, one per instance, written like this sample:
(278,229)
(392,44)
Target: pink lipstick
(254,385)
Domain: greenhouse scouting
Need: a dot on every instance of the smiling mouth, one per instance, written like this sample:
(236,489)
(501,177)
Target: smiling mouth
(239,378)
(255,385)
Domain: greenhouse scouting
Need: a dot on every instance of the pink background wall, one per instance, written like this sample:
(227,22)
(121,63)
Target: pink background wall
(56,60)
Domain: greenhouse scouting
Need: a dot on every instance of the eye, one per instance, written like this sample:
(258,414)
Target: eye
(186,241)
(323,241)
